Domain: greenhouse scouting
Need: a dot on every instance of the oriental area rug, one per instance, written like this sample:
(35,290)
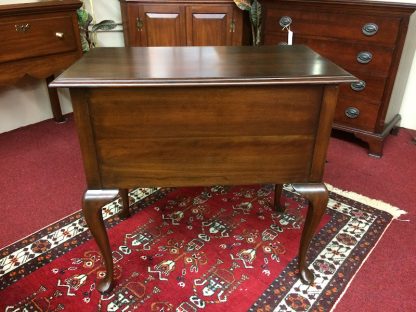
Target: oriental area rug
(216,248)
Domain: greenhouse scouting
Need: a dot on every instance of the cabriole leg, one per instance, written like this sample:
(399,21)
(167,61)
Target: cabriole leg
(125,212)
(92,203)
(317,195)
(277,196)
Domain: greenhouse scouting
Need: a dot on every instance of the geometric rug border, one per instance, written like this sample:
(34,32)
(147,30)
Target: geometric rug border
(360,266)
(374,203)
(280,297)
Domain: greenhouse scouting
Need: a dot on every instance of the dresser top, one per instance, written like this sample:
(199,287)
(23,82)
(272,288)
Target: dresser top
(411,4)
(27,6)
(175,66)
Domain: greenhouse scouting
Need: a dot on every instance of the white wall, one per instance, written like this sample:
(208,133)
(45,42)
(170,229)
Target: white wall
(28,101)
(404,91)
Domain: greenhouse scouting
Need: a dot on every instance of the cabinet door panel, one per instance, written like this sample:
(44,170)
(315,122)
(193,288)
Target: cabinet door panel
(130,13)
(162,25)
(209,25)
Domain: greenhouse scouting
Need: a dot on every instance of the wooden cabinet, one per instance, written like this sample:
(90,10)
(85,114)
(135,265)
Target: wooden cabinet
(257,121)
(364,37)
(39,39)
(181,23)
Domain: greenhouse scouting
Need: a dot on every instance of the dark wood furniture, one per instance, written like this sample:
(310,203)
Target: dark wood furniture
(182,23)
(189,116)
(364,37)
(40,38)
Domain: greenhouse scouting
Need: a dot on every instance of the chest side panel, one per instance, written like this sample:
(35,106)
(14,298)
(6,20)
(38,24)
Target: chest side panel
(202,136)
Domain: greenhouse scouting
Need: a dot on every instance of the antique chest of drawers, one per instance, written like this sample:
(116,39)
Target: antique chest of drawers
(364,37)
(38,39)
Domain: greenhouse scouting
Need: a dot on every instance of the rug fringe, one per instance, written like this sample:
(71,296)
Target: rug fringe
(375,203)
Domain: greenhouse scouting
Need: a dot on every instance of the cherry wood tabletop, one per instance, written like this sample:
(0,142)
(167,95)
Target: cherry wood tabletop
(160,66)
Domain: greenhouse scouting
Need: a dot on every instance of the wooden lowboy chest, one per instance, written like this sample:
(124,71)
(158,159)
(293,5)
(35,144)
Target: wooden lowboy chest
(189,116)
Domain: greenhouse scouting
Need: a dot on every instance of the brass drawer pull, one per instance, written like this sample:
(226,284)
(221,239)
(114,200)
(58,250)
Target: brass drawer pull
(22,27)
(285,21)
(232,26)
(139,24)
(370,29)
(59,35)
(358,86)
(364,57)
(352,112)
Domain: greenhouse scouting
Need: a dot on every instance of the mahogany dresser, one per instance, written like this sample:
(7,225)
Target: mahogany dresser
(364,37)
(39,38)
(182,23)
(193,116)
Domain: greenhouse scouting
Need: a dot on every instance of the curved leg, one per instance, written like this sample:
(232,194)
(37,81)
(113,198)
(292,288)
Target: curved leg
(277,195)
(317,195)
(125,212)
(92,204)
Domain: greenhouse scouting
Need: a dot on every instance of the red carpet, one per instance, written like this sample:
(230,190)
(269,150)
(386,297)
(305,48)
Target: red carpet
(42,178)
(42,181)
(385,282)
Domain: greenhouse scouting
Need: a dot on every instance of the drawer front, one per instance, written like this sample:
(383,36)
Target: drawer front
(369,88)
(367,28)
(32,37)
(220,112)
(354,57)
(356,113)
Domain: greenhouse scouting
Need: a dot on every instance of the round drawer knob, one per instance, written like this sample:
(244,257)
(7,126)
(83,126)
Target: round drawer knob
(352,112)
(364,57)
(370,29)
(358,86)
(285,21)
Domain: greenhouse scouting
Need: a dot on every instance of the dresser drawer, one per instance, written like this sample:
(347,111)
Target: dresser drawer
(32,37)
(367,28)
(344,54)
(356,113)
(369,88)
